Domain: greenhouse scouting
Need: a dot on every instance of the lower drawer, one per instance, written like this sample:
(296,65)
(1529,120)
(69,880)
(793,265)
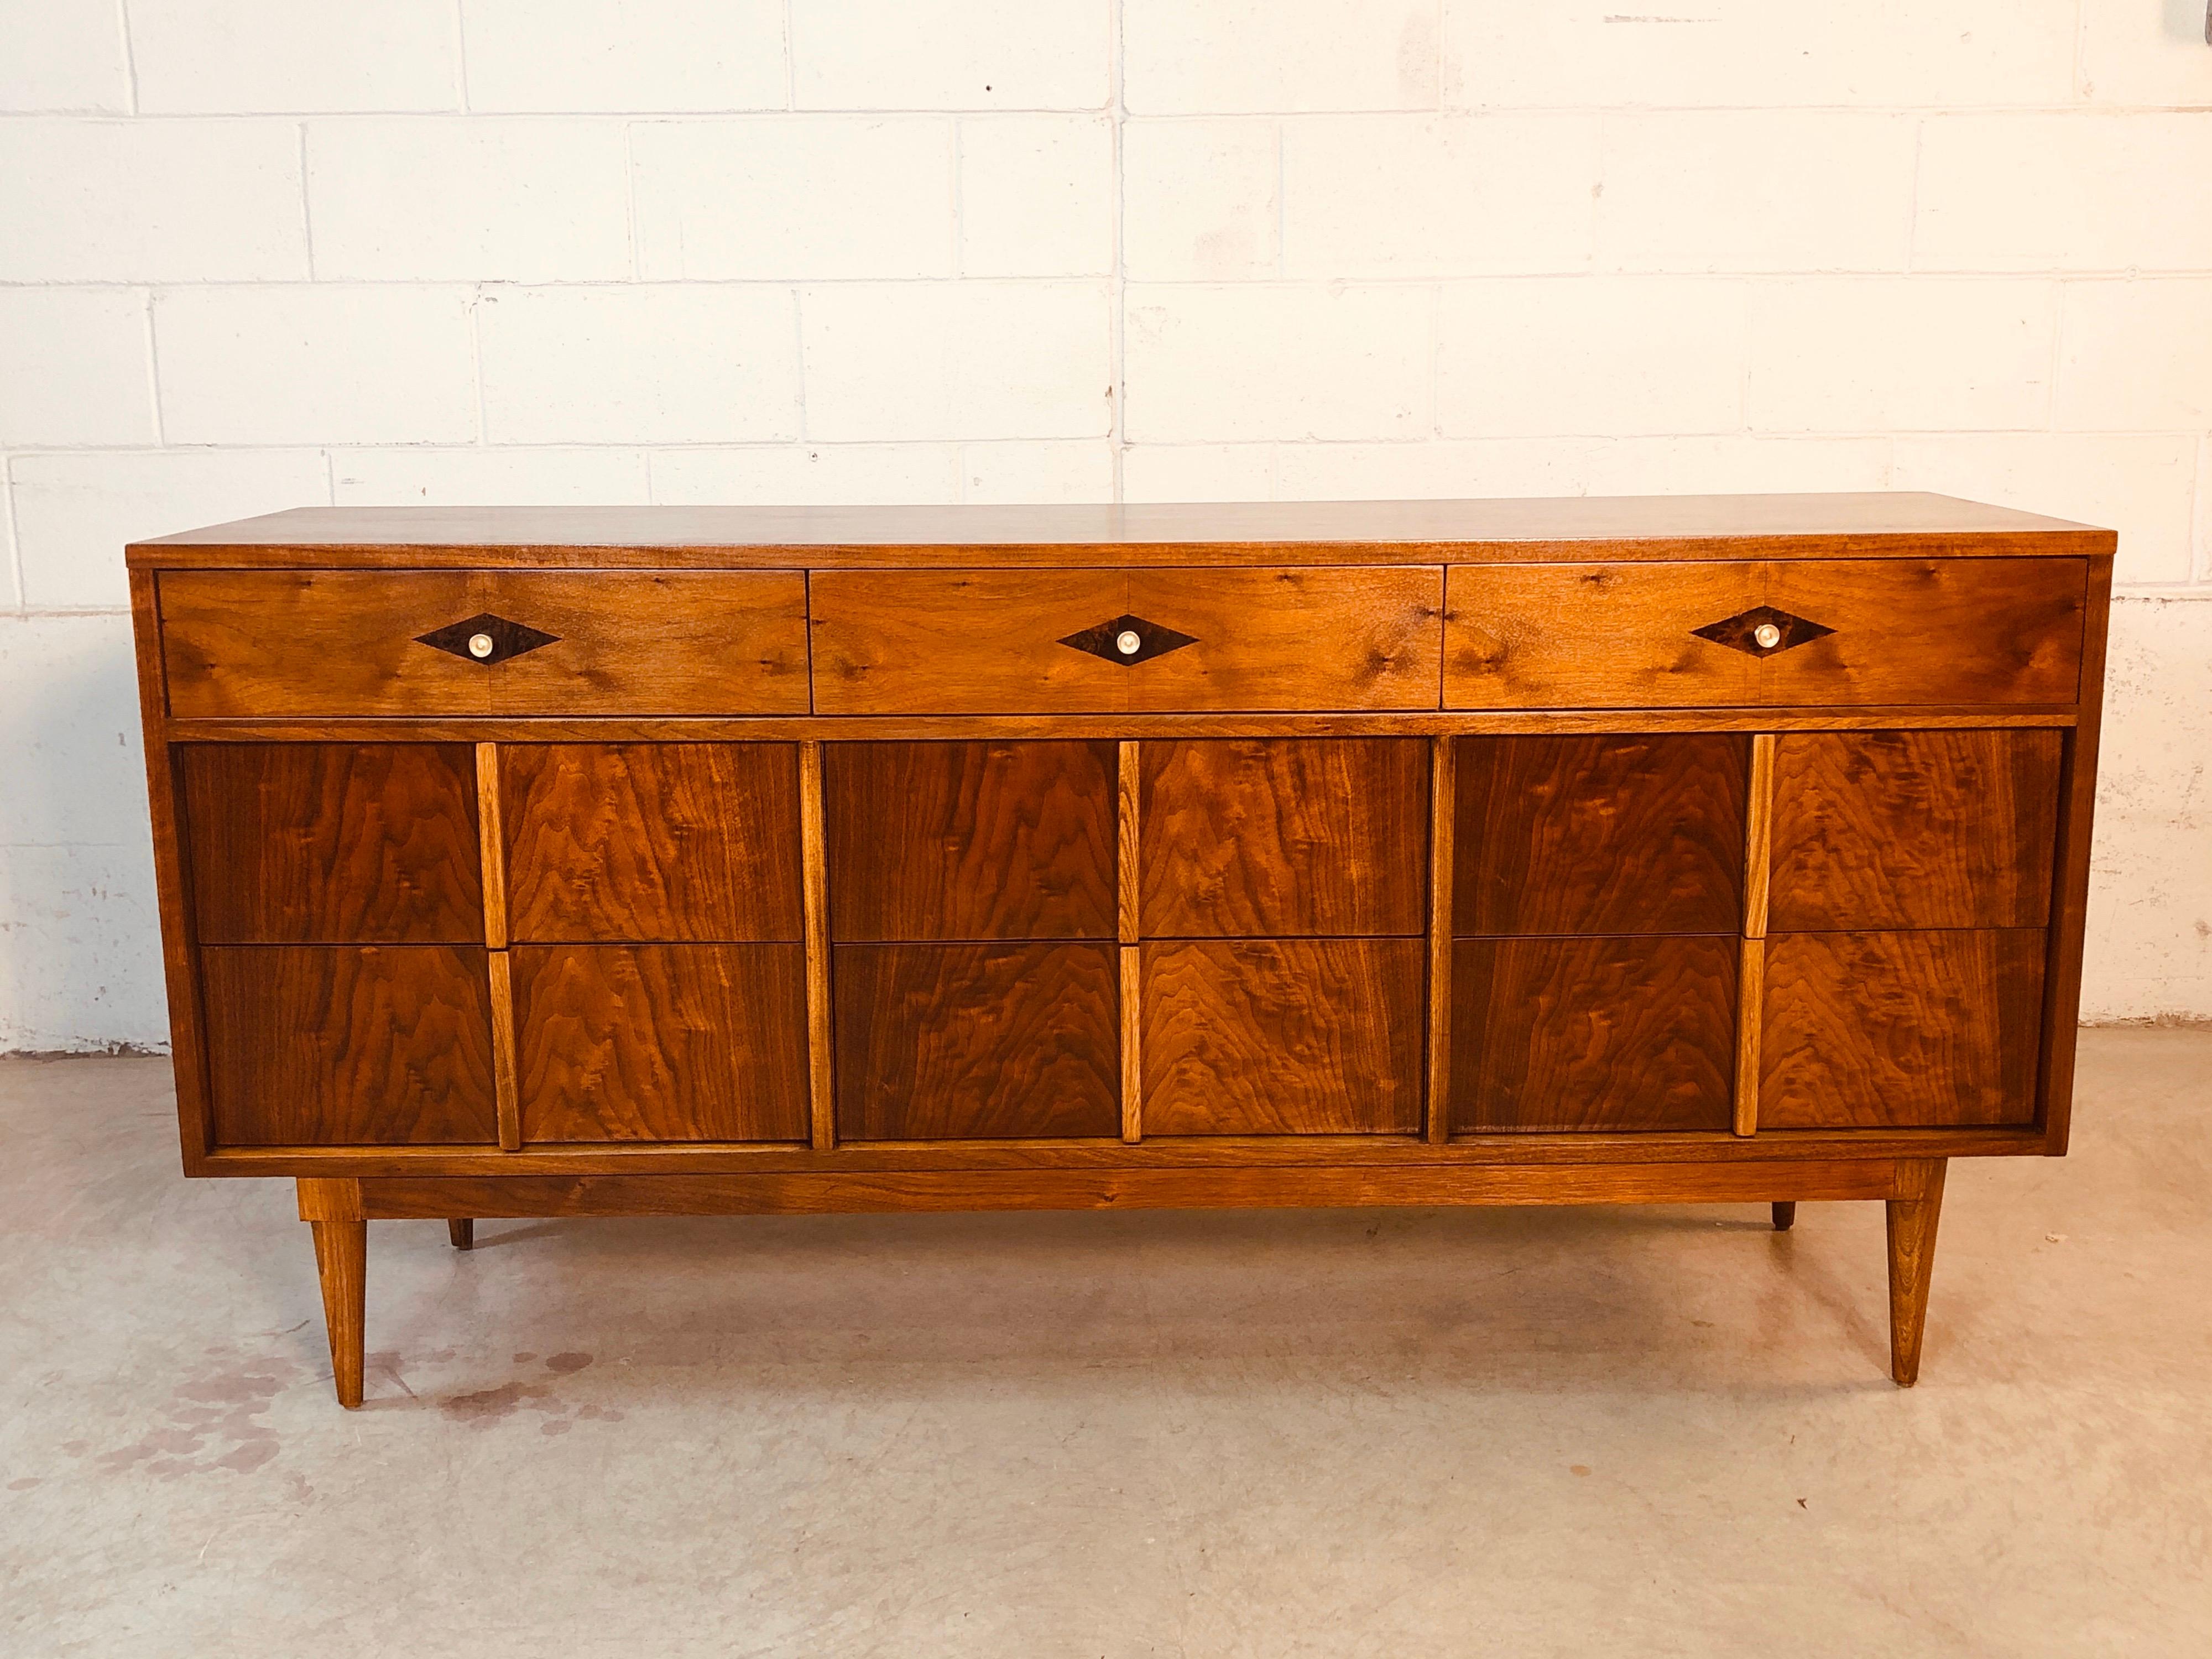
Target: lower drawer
(348,1045)
(660,1042)
(1900,1030)
(1282,1036)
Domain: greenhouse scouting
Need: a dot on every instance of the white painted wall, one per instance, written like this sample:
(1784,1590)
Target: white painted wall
(255,253)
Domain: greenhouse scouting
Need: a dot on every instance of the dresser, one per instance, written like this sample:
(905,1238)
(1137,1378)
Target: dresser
(525,862)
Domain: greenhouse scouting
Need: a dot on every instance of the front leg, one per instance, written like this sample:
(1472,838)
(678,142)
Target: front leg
(1913,1217)
(331,1210)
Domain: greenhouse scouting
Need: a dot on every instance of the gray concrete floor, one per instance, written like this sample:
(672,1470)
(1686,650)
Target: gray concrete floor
(1625,1432)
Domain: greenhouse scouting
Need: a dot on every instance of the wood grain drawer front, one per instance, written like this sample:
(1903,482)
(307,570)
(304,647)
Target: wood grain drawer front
(652,841)
(661,1043)
(1599,835)
(1886,830)
(1848,631)
(963,1042)
(998,641)
(1899,1030)
(240,644)
(338,1045)
(969,841)
(332,843)
(1593,1034)
(1282,1036)
(1283,836)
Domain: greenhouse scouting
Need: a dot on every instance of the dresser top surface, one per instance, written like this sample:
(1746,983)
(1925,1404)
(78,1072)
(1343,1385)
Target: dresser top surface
(1624,527)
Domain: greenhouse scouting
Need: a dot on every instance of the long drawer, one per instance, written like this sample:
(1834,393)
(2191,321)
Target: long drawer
(1812,631)
(1124,640)
(244,643)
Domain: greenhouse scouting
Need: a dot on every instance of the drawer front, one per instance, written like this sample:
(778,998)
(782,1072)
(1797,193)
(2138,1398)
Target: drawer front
(1848,631)
(1906,829)
(1001,642)
(327,843)
(338,1045)
(969,841)
(1282,1036)
(242,644)
(661,1043)
(1593,1034)
(694,841)
(976,1041)
(1900,1030)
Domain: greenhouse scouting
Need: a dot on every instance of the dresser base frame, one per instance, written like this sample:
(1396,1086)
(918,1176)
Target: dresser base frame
(338,1210)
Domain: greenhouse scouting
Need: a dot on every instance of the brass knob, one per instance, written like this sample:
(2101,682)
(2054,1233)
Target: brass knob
(481,645)
(1768,634)
(1128,642)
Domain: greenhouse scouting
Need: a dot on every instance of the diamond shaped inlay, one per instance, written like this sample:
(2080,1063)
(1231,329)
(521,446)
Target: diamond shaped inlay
(466,640)
(1762,632)
(1129,641)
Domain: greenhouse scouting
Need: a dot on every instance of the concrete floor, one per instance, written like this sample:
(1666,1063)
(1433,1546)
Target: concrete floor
(1627,1433)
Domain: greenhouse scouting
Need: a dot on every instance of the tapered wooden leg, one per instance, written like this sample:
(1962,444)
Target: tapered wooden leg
(342,1259)
(1913,1217)
(1785,1215)
(463,1231)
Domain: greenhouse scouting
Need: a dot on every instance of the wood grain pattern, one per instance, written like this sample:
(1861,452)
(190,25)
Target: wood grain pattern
(261,642)
(1888,830)
(342,1268)
(982,642)
(1285,836)
(2077,794)
(1133,1044)
(1832,525)
(1750,1028)
(1444,818)
(839,1193)
(953,1042)
(1907,631)
(814,865)
(1624,834)
(1283,1037)
(1593,1034)
(1128,843)
(1894,1030)
(507,1090)
(970,841)
(1912,1221)
(333,1045)
(491,843)
(662,1042)
(693,842)
(333,843)
(1758,838)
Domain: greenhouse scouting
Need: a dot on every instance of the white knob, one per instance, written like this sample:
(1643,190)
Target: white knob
(480,645)
(1128,642)
(1768,634)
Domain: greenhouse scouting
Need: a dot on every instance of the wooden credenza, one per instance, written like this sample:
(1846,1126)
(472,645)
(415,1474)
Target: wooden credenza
(533,862)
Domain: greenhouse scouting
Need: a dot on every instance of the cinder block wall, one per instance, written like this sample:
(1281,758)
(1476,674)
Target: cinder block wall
(255,253)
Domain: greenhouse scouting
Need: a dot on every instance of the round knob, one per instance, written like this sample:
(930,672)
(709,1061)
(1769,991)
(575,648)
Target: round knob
(1768,634)
(481,645)
(1128,642)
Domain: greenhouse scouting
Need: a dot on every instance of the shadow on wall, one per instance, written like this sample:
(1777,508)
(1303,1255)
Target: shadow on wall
(79,938)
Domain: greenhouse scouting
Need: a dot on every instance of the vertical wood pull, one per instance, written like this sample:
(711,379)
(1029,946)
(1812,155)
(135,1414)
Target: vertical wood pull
(504,1086)
(491,837)
(1444,813)
(1129,907)
(815,888)
(1751,967)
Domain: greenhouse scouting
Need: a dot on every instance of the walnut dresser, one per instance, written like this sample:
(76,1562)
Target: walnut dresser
(661,860)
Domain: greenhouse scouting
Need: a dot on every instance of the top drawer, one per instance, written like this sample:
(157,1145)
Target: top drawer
(1006,642)
(245,643)
(1896,631)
